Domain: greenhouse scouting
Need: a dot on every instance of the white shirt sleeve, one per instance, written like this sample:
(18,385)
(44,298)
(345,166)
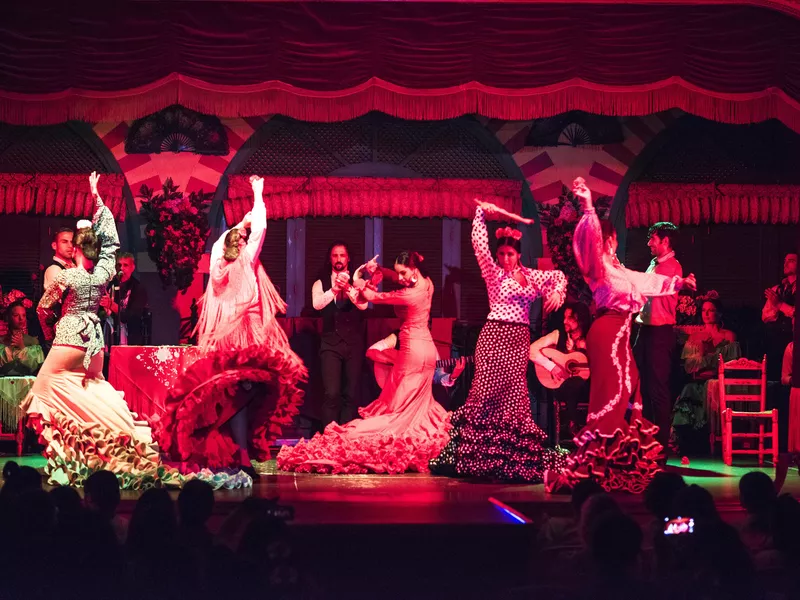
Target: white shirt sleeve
(320,299)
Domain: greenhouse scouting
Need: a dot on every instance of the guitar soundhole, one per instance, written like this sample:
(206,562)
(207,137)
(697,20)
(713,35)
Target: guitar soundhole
(570,367)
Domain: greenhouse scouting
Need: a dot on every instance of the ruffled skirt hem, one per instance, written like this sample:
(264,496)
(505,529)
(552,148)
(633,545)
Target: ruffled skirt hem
(619,461)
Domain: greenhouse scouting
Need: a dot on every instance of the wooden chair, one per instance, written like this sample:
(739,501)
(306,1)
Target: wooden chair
(752,405)
(558,407)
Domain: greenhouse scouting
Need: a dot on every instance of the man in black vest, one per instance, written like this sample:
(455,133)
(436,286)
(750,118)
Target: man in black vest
(62,255)
(63,252)
(342,347)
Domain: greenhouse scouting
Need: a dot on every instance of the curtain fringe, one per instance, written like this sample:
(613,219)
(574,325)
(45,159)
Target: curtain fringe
(692,204)
(291,197)
(420,104)
(59,195)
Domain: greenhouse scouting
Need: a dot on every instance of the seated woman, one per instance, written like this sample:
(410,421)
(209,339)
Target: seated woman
(21,355)
(701,356)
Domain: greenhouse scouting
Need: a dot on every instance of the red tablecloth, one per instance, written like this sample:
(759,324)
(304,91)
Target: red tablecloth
(145,374)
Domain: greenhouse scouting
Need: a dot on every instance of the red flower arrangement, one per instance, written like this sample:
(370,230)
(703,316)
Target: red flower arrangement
(688,311)
(176,232)
(560,219)
(13,296)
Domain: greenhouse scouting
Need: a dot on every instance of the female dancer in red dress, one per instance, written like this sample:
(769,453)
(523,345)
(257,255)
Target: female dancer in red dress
(493,434)
(214,403)
(405,427)
(620,452)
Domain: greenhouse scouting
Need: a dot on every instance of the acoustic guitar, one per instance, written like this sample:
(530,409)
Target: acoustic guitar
(574,363)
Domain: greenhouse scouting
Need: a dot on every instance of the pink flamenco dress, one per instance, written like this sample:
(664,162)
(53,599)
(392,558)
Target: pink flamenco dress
(246,363)
(405,427)
(83,422)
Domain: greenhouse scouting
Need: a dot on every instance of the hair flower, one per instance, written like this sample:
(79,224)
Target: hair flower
(508,232)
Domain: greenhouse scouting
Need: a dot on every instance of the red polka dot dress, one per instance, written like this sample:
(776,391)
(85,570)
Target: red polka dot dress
(493,434)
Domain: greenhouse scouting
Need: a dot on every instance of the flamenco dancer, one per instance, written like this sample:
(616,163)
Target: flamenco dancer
(244,388)
(405,427)
(493,434)
(620,453)
(83,422)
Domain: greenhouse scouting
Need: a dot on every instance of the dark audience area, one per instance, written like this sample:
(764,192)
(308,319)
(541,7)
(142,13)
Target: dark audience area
(57,544)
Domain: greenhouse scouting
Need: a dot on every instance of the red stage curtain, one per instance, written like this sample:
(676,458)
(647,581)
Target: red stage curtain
(59,195)
(288,197)
(331,61)
(690,204)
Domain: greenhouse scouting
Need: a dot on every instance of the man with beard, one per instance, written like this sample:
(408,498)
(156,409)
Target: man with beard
(342,347)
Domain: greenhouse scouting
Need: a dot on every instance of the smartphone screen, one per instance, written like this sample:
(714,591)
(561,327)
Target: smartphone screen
(678,526)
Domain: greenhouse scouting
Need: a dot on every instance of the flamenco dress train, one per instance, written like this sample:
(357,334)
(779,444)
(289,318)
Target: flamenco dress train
(401,430)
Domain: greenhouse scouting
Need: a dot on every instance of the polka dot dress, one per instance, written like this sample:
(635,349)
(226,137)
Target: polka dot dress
(510,301)
(493,434)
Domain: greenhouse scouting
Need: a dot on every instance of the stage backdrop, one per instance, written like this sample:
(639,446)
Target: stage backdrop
(331,61)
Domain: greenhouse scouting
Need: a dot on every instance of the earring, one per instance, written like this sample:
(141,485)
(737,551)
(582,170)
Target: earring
(414,280)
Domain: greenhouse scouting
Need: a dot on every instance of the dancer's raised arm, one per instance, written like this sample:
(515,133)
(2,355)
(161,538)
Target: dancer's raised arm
(106,230)
(258,219)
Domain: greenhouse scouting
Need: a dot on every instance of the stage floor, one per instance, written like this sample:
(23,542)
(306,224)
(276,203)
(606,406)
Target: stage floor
(424,499)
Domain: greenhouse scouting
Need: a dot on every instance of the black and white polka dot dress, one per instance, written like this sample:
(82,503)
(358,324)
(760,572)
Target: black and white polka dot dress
(493,434)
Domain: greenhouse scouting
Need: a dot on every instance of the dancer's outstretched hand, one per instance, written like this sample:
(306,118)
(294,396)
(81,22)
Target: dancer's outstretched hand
(372,264)
(582,191)
(93,179)
(688,283)
(552,302)
(487,207)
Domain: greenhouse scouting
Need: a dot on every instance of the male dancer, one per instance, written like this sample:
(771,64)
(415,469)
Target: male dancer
(655,346)
(342,347)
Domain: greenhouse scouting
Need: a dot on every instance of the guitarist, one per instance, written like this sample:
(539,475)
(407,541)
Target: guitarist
(569,335)
(383,351)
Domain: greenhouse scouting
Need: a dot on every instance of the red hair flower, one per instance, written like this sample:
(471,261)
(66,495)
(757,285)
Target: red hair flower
(508,232)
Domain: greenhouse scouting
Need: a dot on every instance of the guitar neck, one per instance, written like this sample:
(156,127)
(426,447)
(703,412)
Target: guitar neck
(450,362)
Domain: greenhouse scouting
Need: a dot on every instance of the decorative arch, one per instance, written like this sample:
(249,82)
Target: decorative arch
(72,148)
(695,151)
(369,159)
(130,235)
(637,167)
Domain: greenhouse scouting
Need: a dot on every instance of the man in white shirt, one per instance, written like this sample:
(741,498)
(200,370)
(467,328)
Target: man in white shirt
(342,346)
(655,346)
(63,252)
(62,255)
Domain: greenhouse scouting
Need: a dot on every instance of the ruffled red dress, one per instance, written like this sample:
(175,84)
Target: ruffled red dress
(247,362)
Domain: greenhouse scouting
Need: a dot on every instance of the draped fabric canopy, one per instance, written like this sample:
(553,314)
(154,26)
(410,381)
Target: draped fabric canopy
(332,61)
(59,195)
(694,203)
(290,197)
